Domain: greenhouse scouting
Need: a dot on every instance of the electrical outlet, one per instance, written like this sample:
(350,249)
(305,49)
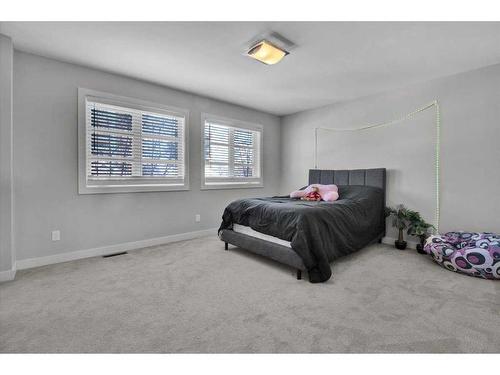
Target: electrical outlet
(56,235)
(197,218)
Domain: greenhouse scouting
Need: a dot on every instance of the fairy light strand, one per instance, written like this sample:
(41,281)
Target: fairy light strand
(408,116)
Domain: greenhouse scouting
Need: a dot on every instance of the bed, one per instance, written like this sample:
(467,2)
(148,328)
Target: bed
(308,236)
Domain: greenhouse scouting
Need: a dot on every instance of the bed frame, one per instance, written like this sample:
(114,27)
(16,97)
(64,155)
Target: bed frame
(366,177)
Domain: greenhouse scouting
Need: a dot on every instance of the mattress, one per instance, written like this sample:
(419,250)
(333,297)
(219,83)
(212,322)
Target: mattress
(243,229)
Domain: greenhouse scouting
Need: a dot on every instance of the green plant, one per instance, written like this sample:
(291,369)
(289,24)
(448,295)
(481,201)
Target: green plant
(404,218)
(418,227)
(399,218)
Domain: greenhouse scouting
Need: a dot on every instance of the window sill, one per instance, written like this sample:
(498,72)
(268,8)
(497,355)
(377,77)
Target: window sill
(130,189)
(231,186)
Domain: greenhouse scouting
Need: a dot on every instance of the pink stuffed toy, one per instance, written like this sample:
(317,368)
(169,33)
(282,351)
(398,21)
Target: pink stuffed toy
(313,195)
(328,193)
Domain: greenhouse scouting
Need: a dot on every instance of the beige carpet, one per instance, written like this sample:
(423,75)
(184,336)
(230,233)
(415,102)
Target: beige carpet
(193,296)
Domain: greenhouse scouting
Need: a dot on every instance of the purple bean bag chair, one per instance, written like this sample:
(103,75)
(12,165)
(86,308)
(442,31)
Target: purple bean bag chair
(474,254)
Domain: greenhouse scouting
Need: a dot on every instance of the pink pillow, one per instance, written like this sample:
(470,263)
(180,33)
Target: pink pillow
(329,193)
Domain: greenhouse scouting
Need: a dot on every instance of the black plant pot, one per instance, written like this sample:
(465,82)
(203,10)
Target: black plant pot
(400,245)
(420,246)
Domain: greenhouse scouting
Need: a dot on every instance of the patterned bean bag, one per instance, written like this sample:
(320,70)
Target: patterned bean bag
(475,254)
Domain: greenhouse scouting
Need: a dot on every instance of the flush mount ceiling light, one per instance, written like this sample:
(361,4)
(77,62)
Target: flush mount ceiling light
(266,52)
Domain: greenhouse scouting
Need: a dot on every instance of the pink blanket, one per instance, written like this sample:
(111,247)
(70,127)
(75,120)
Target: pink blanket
(329,193)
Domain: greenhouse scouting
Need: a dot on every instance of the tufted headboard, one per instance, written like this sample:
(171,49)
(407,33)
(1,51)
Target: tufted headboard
(367,177)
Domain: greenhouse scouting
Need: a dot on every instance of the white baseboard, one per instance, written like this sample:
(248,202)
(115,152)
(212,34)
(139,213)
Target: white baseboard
(7,275)
(106,250)
(127,246)
(390,241)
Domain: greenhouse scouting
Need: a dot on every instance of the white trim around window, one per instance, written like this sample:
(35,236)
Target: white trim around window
(231,155)
(130,145)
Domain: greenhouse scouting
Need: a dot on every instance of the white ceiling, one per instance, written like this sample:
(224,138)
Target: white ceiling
(332,61)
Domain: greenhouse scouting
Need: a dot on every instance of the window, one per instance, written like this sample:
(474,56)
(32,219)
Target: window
(231,154)
(128,145)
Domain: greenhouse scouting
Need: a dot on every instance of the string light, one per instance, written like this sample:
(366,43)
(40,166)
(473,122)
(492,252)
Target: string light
(408,116)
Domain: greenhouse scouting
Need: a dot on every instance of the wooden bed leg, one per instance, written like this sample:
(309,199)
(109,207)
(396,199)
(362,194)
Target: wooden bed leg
(299,274)
(226,247)
(380,240)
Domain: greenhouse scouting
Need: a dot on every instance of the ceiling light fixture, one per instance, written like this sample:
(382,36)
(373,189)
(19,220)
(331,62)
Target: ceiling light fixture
(266,52)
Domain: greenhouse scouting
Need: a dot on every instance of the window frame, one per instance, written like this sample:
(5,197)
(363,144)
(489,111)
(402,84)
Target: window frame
(244,125)
(136,104)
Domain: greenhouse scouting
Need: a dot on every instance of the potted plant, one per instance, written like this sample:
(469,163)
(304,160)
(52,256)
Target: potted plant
(400,221)
(418,227)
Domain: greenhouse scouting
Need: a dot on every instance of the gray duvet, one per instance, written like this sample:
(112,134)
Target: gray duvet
(319,232)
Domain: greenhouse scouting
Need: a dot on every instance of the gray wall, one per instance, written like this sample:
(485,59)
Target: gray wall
(45,156)
(470,153)
(7,256)
(45,164)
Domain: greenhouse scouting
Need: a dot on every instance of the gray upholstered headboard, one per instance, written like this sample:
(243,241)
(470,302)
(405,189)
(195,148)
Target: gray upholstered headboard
(368,177)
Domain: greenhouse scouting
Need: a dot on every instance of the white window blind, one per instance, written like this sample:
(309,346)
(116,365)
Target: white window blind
(133,147)
(231,155)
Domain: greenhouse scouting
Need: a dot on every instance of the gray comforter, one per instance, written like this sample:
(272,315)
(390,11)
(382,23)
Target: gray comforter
(319,232)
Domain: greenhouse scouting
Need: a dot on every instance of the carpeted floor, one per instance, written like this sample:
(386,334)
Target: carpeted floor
(193,296)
